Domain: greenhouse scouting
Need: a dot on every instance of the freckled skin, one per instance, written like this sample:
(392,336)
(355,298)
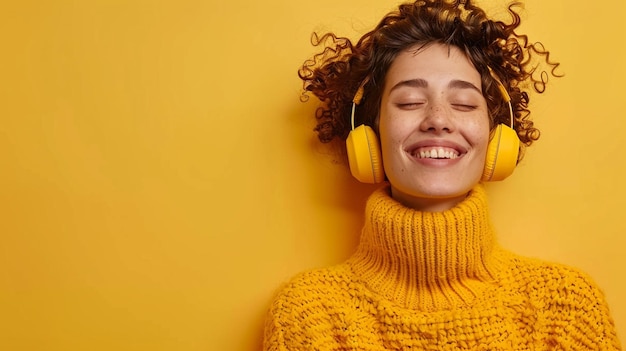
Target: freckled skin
(445,106)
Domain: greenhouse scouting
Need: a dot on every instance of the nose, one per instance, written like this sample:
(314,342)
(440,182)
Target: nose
(437,119)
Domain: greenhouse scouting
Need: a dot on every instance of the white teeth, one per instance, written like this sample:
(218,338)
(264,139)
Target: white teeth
(437,153)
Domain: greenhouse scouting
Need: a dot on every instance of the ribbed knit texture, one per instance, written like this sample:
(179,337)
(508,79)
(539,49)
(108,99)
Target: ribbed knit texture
(426,260)
(438,281)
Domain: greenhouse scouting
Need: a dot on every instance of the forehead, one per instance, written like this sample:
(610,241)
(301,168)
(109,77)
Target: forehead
(434,63)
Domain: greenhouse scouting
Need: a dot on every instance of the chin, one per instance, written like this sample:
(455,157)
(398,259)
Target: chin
(430,199)
(442,194)
(438,188)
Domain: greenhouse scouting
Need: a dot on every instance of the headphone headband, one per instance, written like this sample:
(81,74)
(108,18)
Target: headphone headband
(358,96)
(504,93)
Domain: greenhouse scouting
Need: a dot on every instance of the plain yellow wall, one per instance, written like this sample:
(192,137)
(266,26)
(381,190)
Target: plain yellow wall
(160,179)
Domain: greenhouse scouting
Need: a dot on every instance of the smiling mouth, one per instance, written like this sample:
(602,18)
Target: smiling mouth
(436,153)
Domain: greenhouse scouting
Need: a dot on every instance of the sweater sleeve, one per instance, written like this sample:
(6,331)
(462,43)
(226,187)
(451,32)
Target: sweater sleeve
(289,321)
(307,314)
(282,325)
(577,315)
(274,336)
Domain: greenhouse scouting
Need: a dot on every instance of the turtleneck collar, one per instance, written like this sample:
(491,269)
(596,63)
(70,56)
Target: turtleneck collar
(426,260)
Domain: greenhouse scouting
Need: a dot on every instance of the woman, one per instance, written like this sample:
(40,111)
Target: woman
(437,88)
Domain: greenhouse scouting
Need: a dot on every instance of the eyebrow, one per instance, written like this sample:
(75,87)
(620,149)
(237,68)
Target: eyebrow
(421,83)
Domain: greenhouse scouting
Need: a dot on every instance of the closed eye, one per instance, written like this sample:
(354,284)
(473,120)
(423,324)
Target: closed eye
(464,107)
(409,105)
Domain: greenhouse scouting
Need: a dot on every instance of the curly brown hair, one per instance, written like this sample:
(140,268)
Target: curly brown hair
(335,74)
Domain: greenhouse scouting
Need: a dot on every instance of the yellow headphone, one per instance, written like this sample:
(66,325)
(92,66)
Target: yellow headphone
(365,156)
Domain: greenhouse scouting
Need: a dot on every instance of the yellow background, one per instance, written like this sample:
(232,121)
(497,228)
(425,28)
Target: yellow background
(159,177)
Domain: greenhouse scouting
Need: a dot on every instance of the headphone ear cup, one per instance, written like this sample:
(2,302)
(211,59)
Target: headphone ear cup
(502,153)
(364,155)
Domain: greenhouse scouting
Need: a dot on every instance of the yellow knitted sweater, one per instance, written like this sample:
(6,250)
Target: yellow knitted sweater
(438,281)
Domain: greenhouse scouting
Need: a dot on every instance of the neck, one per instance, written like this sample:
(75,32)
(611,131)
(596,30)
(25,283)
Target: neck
(426,204)
(426,260)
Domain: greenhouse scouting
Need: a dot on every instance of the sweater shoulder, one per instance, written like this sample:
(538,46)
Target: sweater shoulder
(314,284)
(308,307)
(569,305)
(554,278)
(557,287)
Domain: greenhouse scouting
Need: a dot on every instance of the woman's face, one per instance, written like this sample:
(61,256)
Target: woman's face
(434,127)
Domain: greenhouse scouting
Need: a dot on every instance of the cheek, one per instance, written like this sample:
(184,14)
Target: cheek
(390,134)
(479,133)
(394,127)
(385,129)
(390,138)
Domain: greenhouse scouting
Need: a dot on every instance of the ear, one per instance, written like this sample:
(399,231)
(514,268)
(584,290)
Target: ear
(364,155)
(502,153)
